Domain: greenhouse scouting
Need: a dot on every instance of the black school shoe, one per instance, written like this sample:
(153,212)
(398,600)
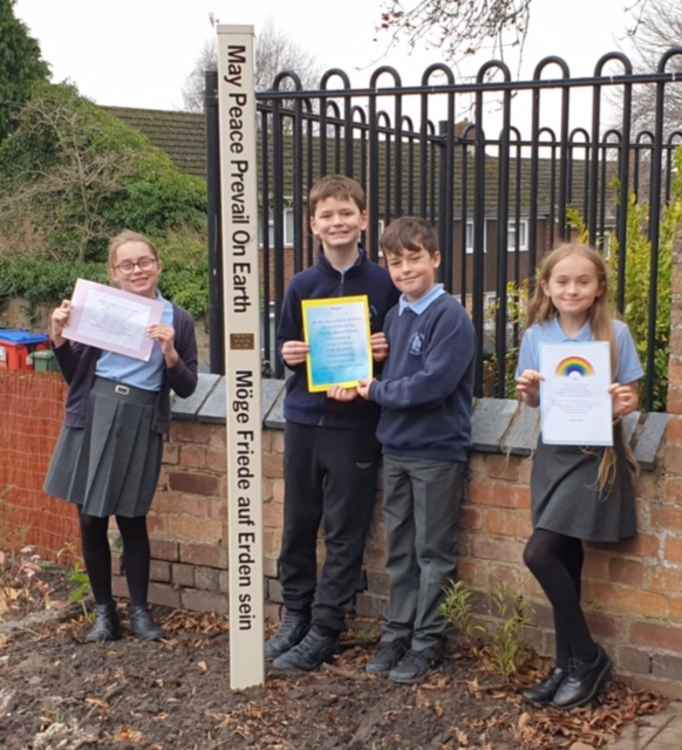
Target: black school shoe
(388,655)
(291,632)
(142,624)
(542,693)
(107,626)
(416,665)
(310,653)
(583,681)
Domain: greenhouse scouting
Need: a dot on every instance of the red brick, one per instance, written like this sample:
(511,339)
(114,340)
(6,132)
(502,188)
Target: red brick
(508,523)
(612,598)
(667,666)
(267,489)
(673,458)
(278,490)
(672,489)
(488,548)
(674,400)
(470,518)
(675,608)
(273,514)
(266,440)
(605,627)
(657,636)
(673,550)
(525,468)
(163,594)
(642,545)
(186,528)
(207,579)
(278,442)
(159,571)
(192,455)
(171,452)
(213,555)
(627,572)
(633,660)
(204,601)
(119,586)
(163,549)
(216,460)
(189,432)
(673,431)
(665,580)
(499,494)
(502,467)
(596,565)
(471,572)
(182,574)
(273,467)
(218,437)
(194,484)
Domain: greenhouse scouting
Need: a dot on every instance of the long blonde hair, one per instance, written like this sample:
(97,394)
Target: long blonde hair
(541,309)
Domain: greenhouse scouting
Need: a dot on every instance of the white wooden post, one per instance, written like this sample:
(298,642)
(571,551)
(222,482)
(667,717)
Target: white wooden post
(238,189)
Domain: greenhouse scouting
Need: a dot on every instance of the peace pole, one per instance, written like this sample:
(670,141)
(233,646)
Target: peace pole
(238,189)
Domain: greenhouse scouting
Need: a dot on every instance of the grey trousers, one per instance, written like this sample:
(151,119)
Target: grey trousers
(421,505)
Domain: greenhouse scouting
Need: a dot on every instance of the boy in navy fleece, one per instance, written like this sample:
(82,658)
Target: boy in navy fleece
(425,394)
(331,454)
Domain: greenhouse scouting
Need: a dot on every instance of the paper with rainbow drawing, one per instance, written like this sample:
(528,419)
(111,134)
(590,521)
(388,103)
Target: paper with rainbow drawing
(575,405)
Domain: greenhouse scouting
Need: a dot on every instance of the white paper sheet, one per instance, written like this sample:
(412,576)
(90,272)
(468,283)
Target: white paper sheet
(576,407)
(112,320)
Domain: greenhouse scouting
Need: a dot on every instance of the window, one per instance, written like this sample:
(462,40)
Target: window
(523,236)
(288,228)
(469,239)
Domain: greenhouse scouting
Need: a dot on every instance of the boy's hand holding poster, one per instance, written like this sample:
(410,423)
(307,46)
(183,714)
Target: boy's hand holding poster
(575,403)
(337,332)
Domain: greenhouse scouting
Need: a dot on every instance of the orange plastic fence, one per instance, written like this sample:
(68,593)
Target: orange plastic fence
(31,413)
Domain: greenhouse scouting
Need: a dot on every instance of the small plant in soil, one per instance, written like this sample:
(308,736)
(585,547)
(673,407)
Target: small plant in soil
(79,584)
(457,608)
(507,649)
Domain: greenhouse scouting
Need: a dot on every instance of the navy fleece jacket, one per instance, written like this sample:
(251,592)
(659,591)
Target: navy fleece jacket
(425,392)
(318,282)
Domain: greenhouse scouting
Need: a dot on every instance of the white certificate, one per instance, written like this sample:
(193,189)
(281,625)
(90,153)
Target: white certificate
(112,320)
(575,404)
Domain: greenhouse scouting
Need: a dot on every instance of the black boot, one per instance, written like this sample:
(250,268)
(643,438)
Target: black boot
(310,653)
(142,624)
(107,626)
(291,631)
(583,681)
(544,691)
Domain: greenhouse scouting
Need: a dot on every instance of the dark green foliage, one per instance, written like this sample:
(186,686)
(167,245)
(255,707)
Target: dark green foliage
(77,175)
(20,65)
(184,279)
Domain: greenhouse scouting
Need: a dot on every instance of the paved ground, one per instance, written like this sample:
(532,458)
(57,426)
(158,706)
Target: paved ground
(660,732)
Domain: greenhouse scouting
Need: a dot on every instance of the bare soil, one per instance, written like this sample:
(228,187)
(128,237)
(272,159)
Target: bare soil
(57,692)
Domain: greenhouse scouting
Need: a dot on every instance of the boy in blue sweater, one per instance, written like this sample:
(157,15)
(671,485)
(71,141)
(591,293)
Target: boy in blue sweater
(425,394)
(330,450)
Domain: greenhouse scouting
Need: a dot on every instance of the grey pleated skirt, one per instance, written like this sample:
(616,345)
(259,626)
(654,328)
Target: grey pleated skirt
(112,465)
(566,497)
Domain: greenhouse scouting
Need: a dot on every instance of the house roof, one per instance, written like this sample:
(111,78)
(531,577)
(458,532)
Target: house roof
(182,135)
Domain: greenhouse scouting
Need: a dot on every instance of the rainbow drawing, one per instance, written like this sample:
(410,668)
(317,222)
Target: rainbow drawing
(574,366)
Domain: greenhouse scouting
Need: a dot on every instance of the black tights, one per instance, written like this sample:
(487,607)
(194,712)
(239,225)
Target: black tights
(556,561)
(97,556)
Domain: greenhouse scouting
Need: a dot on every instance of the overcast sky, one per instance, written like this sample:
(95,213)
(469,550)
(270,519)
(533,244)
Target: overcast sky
(138,52)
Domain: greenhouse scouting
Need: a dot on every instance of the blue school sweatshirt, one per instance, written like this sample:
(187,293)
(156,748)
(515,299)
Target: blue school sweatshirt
(426,388)
(318,282)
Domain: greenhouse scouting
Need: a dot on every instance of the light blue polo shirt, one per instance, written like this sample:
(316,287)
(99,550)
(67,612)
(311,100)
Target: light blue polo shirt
(551,332)
(136,372)
(422,303)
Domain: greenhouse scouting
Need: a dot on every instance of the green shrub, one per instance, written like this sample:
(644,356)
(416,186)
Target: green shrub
(72,175)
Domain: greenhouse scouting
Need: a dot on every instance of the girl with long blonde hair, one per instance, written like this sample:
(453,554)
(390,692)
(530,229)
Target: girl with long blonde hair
(578,494)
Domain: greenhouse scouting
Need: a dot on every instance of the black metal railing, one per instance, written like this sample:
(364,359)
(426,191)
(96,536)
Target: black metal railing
(500,187)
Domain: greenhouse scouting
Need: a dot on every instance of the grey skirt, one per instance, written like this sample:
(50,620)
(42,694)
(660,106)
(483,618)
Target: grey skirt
(112,465)
(566,497)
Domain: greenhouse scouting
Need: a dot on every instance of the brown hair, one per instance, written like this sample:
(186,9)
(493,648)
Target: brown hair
(121,238)
(339,187)
(409,233)
(541,309)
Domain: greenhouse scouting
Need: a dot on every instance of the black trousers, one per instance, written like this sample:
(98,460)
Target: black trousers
(330,481)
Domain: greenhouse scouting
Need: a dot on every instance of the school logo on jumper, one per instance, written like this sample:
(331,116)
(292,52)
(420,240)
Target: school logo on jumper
(416,344)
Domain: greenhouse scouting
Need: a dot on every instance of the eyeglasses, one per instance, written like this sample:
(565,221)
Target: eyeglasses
(128,266)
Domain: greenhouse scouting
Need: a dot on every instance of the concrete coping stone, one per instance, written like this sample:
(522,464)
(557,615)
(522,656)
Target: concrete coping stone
(498,425)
